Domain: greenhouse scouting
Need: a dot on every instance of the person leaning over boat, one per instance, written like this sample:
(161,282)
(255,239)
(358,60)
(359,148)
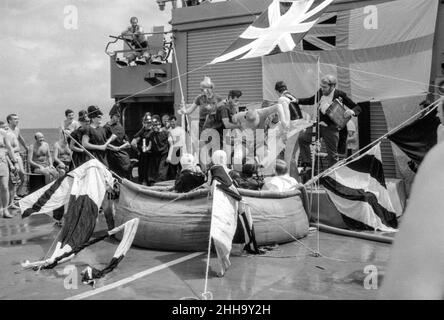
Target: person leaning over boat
(328,130)
(190,177)
(292,113)
(251,121)
(288,101)
(140,142)
(5,149)
(282,181)
(96,138)
(79,156)
(118,158)
(207,102)
(40,158)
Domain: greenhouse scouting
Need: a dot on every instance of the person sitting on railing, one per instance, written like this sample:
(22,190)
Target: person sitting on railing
(40,158)
(282,181)
(190,177)
(62,155)
(137,39)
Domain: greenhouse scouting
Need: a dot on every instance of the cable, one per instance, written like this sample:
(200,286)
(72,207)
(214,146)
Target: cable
(343,162)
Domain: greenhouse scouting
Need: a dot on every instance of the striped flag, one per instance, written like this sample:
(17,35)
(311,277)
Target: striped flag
(84,190)
(223,225)
(88,182)
(278,29)
(418,137)
(359,192)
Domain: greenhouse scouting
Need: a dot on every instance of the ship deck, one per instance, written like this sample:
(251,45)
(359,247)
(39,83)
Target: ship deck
(288,271)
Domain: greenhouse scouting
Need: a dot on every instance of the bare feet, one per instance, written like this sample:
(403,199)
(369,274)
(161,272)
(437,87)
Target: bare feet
(7,215)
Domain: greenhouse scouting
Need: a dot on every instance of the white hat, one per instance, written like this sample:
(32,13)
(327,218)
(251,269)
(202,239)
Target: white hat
(219,158)
(187,161)
(207,83)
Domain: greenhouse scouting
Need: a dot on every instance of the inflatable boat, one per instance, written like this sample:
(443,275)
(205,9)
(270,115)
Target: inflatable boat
(181,221)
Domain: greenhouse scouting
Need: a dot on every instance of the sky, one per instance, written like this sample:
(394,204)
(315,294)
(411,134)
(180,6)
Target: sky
(49,63)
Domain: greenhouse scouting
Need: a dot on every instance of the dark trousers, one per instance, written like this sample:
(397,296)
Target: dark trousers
(143,166)
(163,168)
(329,134)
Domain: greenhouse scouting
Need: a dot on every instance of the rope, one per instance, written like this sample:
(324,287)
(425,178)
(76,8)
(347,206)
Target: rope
(184,118)
(318,140)
(263,214)
(169,80)
(73,251)
(343,162)
(49,250)
(175,199)
(314,253)
(207,295)
(93,157)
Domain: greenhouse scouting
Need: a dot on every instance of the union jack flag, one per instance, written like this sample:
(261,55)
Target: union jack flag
(278,29)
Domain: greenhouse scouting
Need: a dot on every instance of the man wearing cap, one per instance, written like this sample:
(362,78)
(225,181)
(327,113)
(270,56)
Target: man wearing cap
(118,158)
(207,102)
(328,130)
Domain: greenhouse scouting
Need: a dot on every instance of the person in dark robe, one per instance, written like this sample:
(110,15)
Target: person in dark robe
(118,157)
(190,177)
(158,148)
(79,156)
(96,138)
(140,142)
(246,179)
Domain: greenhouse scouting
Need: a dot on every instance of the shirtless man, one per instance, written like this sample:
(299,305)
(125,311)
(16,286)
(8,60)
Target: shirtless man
(16,140)
(62,155)
(5,149)
(251,122)
(40,158)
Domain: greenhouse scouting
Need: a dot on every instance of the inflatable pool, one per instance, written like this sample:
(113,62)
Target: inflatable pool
(181,221)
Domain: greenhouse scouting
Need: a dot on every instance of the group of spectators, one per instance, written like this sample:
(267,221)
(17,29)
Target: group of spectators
(161,145)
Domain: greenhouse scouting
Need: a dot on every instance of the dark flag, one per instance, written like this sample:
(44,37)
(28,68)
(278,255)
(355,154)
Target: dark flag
(417,138)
